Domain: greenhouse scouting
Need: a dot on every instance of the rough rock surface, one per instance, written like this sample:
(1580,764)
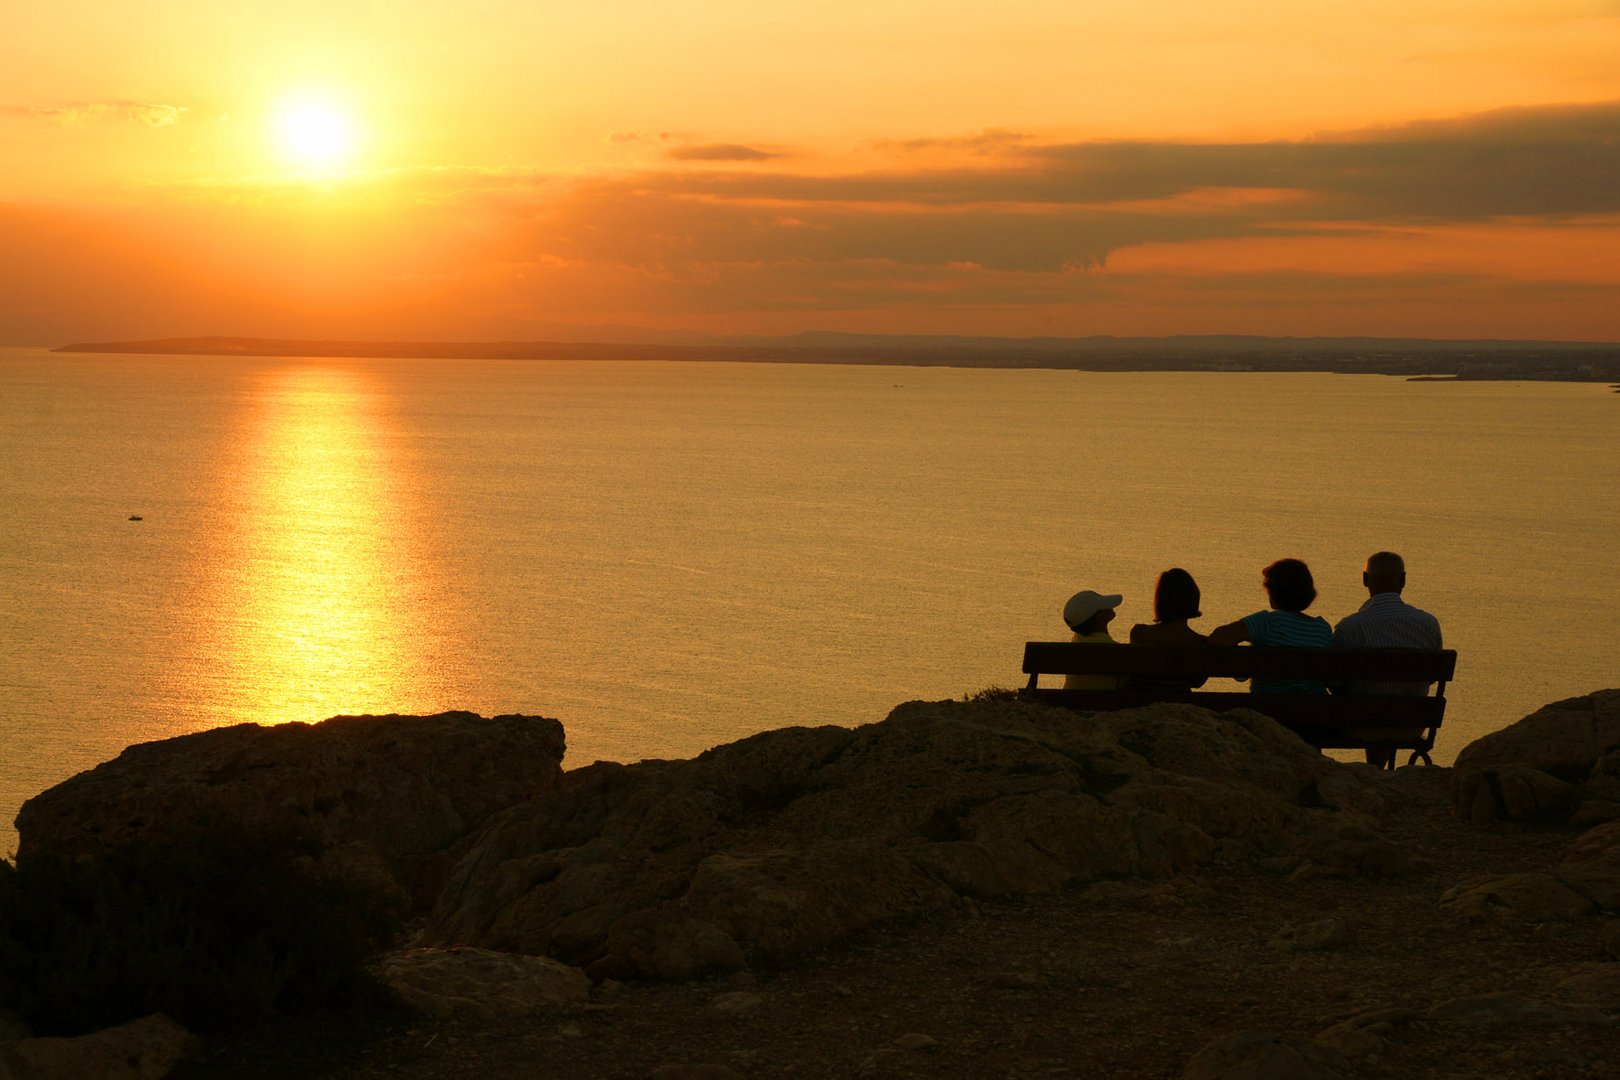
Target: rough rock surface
(144,1049)
(484,985)
(1560,763)
(769,848)
(1267,1055)
(1121,976)
(388,797)
(1584,880)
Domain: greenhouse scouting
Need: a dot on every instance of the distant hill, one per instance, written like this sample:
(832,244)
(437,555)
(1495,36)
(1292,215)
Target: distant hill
(1413,357)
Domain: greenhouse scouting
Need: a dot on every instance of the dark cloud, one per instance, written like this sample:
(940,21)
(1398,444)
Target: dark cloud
(1546,161)
(1522,162)
(721,152)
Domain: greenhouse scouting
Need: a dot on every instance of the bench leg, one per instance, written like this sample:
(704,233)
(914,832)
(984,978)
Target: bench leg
(1382,755)
(1419,755)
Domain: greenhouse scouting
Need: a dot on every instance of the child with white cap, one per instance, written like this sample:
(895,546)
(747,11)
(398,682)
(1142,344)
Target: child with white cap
(1088,615)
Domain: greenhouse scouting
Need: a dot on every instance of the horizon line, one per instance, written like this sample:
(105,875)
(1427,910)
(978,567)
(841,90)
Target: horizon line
(809,339)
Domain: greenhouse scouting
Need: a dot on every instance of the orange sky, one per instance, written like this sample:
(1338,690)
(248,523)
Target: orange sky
(480,170)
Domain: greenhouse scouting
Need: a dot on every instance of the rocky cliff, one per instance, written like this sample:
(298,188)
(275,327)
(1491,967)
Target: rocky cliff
(389,799)
(965,888)
(769,848)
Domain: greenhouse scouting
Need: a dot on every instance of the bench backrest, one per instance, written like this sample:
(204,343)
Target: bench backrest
(1241,662)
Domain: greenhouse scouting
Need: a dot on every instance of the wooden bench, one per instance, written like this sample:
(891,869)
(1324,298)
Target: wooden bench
(1323,720)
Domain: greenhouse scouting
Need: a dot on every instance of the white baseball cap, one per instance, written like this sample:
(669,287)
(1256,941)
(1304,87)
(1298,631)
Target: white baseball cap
(1085,603)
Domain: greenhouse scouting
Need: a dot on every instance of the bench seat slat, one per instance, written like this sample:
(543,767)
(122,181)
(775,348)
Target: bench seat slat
(1240,662)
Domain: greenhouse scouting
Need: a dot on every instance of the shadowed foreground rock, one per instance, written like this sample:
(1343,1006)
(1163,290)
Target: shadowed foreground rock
(1184,895)
(1267,1055)
(483,985)
(144,1049)
(766,849)
(389,798)
(1560,763)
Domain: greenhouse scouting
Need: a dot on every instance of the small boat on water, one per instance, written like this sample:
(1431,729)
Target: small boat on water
(136,517)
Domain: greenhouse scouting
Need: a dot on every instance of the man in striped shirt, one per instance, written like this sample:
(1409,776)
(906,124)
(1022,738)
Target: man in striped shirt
(1386,621)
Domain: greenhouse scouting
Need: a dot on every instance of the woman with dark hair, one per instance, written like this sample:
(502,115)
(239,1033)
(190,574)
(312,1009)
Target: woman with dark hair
(1175,601)
(1291,589)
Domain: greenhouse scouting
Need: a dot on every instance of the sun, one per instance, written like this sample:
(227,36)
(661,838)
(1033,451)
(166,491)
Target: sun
(314,133)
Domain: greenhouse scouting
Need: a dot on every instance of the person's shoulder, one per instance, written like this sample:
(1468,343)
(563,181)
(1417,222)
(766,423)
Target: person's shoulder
(1298,628)
(1432,625)
(1355,618)
(1417,614)
(1141,633)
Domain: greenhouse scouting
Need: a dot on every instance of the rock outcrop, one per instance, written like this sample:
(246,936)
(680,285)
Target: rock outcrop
(769,848)
(144,1049)
(388,798)
(1584,880)
(483,985)
(1560,763)
(1176,884)
(1267,1055)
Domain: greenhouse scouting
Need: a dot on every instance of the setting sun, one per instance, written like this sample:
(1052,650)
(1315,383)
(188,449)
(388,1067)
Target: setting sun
(313,133)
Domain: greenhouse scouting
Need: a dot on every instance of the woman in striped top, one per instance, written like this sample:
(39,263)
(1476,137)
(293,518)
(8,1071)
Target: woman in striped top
(1291,589)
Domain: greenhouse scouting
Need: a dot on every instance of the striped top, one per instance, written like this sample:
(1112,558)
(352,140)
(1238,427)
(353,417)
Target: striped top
(1387,622)
(1290,630)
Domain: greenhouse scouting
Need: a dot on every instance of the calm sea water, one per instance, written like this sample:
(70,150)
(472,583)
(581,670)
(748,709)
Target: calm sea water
(670,556)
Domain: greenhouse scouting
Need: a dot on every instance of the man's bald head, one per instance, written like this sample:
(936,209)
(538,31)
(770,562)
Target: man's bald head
(1386,572)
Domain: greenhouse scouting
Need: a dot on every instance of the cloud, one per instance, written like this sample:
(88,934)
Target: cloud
(150,114)
(1541,162)
(1046,208)
(721,152)
(1049,209)
(989,142)
(1524,161)
(1489,217)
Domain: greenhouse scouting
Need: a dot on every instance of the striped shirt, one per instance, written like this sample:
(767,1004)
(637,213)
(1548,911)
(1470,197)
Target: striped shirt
(1288,629)
(1386,621)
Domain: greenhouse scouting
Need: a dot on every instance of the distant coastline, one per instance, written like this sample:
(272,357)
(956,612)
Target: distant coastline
(1416,358)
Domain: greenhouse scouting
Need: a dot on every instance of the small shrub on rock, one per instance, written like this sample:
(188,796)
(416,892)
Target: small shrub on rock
(217,927)
(991,694)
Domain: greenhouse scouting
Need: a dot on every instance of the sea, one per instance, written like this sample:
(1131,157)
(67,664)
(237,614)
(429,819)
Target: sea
(667,556)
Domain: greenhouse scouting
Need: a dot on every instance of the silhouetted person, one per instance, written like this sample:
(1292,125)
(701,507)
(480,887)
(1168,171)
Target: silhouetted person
(1386,621)
(1088,614)
(1291,590)
(1175,601)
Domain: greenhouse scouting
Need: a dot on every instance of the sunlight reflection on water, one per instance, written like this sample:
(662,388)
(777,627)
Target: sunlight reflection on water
(307,579)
